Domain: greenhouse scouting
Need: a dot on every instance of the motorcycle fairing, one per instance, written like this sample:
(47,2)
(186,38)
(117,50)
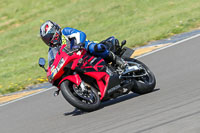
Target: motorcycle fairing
(93,67)
(92,64)
(73,78)
(102,79)
(56,69)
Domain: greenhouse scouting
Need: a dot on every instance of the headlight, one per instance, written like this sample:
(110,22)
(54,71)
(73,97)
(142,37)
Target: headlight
(54,70)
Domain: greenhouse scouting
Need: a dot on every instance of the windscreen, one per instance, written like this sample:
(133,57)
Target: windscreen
(52,54)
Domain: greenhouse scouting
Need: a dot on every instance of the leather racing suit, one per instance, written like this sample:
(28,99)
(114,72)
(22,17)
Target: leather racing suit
(75,37)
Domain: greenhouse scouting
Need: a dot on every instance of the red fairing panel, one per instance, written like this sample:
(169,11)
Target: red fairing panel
(73,78)
(102,79)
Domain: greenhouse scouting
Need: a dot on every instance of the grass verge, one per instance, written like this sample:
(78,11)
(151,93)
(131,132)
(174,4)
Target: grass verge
(136,21)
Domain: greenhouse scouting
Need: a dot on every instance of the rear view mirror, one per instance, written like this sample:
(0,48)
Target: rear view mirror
(42,62)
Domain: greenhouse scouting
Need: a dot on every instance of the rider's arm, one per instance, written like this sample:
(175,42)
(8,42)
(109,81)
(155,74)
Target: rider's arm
(74,33)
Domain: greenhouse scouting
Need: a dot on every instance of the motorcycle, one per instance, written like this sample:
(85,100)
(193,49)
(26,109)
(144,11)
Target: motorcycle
(85,80)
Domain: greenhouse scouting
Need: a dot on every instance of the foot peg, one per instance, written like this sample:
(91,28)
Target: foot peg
(56,93)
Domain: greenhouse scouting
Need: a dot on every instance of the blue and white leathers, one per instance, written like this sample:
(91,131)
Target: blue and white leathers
(76,37)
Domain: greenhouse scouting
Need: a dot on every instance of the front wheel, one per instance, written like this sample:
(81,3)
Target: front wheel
(145,81)
(87,100)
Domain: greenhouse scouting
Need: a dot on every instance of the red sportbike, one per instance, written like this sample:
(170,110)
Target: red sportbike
(86,80)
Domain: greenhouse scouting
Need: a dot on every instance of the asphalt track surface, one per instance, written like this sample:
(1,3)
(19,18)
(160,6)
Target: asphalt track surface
(174,106)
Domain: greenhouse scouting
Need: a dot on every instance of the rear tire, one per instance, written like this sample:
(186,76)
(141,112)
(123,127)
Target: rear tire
(78,102)
(147,83)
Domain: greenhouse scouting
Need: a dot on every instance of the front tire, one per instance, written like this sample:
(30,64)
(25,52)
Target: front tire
(76,100)
(146,83)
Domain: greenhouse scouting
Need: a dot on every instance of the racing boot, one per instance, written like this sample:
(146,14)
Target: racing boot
(116,60)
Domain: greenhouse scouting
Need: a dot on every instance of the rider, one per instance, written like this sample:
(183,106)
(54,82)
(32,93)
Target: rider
(54,37)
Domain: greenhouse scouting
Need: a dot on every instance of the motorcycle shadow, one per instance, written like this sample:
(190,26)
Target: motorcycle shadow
(76,111)
(122,99)
(118,100)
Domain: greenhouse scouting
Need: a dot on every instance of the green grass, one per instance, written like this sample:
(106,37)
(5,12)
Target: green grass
(137,21)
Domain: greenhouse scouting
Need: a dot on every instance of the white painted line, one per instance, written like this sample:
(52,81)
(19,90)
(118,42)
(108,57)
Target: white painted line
(136,58)
(159,49)
(25,97)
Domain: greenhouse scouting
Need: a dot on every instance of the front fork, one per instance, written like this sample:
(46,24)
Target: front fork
(83,87)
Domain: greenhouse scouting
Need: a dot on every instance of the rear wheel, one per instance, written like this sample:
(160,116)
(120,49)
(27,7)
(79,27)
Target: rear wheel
(87,100)
(145,81)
